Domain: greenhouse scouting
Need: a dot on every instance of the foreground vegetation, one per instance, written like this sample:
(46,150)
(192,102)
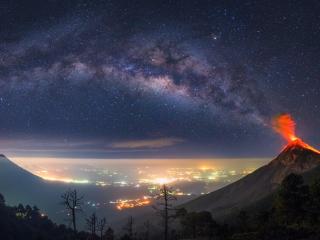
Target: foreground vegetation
(293,212)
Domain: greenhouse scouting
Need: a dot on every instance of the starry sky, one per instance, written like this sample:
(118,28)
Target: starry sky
(153,79)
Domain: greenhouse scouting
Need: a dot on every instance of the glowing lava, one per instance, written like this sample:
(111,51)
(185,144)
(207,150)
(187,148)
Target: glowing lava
(286,126)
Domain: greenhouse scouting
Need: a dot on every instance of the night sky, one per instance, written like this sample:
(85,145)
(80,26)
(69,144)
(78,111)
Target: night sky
(119,79)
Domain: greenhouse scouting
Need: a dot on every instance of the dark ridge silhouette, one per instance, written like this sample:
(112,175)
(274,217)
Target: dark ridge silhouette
(20,186)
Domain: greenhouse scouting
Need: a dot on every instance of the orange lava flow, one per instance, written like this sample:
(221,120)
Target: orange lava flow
(286,126)
(299,142)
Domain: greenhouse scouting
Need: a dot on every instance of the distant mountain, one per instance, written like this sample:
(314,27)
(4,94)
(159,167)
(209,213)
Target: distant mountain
(15,181)
(21,186)
(297,157)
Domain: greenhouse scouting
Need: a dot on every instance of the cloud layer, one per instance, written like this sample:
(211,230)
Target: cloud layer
(150,143)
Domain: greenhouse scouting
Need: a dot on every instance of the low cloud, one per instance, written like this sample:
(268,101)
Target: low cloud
(150,143)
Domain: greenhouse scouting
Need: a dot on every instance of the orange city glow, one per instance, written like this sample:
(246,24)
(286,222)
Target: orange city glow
(132,203)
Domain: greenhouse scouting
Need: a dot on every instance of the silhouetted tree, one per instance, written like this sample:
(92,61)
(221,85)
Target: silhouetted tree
(165,197)
(173,235)
(243,219)
(73,204)
(198,224)
(2,200)
(92,225)
(27,223)
(291,199)
(28,211)
(20,211)
(101,226)
(314,207)
(109,235)
(147,230)
(35,213)
(189,224)
(129,228)
(262,218)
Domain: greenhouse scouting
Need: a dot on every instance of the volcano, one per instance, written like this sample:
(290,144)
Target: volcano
(20,186)
(297,157)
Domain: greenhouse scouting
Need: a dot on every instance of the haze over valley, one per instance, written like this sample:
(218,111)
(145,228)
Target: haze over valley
(139,179)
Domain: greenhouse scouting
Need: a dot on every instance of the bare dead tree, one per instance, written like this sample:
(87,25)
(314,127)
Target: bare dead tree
(92,225)
(101,226)
(147,230)
(165,197)
(129,227)
(73,204)
(109,235)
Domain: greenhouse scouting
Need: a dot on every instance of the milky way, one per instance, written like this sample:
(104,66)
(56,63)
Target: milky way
(120,72)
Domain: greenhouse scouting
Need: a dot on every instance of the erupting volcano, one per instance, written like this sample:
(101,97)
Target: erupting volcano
(285,126)
(296,157)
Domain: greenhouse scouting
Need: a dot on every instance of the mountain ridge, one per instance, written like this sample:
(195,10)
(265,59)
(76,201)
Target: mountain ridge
(297,157)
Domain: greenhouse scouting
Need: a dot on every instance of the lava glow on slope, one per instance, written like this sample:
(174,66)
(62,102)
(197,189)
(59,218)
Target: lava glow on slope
(286,127)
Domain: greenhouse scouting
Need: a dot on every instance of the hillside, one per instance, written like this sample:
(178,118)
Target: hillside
(296,157)
(20,186)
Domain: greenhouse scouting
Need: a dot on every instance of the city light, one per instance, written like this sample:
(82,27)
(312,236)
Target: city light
(67,180)
(162,181)
(122,204)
